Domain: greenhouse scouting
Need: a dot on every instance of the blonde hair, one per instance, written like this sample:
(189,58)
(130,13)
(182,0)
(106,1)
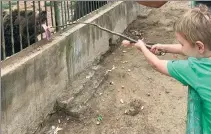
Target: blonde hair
(196,25)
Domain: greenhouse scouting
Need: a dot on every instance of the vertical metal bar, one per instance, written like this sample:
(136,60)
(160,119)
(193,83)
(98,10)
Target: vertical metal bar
(95,5)
(76,9)
(27,24)
(71,6)
(85,7)
(57,14)
(52,20)
(46,13)
(68,11)
(91,6)
(2,32)
(88,8)
(20,32)
(40,21)
(65,13)
(79,10)
(11,27)
(98,5)
(35,21)
(62,14)
(83,12)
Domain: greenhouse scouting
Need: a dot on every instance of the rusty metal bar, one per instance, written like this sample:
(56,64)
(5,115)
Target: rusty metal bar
(91,7)
(97,4)
(68,11)
(62,14)
(20,32)
(71,6)
(11,28)
(46,12)
(57,14)
(27,23)
(85,7)
(65,12)
(40,27)
(94,5)
(52,20)
(2,34)
(88,8)
(82,9)
(35,21)
(77,14)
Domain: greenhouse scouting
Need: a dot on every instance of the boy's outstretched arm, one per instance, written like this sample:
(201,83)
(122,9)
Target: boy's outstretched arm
(177,69)
(157,64)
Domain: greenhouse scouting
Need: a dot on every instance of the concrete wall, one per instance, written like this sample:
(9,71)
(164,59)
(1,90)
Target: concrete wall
(34,78)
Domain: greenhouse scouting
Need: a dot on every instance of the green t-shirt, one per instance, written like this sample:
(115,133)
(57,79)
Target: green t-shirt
(196,74)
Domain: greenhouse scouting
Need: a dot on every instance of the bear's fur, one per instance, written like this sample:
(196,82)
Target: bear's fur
(21,23)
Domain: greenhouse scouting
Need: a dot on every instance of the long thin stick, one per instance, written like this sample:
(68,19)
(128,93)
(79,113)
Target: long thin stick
(148,44)
(109,31)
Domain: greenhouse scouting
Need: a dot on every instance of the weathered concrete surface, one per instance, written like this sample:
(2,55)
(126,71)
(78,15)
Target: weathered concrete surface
(74,102)
(33,79)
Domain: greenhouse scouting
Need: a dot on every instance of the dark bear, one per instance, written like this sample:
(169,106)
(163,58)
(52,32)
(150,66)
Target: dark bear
(82,8)
(20,26)
(207,3)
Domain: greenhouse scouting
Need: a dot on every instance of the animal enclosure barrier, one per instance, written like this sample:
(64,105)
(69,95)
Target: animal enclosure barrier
(22,21)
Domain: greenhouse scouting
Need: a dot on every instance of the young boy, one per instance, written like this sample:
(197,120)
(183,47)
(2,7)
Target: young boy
(193,32)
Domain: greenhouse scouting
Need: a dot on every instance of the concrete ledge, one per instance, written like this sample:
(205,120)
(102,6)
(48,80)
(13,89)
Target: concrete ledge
(32,80)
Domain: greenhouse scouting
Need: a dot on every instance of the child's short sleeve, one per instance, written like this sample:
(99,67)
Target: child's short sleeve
(181,71)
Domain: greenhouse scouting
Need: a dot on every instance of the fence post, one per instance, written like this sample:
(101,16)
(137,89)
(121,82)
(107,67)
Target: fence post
(57,14)
(3,54)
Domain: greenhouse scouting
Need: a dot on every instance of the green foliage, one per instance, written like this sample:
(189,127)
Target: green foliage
(48,3)
(5,5)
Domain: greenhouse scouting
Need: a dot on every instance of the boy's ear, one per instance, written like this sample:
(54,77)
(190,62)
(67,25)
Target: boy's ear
(200,46)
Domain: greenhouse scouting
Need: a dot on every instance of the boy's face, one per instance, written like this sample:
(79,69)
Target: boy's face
(188,49)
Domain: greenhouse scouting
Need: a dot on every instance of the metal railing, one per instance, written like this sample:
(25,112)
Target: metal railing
(22,21)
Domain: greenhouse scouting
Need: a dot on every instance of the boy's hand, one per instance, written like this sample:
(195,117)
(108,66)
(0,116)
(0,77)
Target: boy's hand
(127,43)
(156,49)
(159,65)
(140,43)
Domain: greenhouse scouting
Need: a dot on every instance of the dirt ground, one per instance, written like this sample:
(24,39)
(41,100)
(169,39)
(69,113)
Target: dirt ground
(135,99)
